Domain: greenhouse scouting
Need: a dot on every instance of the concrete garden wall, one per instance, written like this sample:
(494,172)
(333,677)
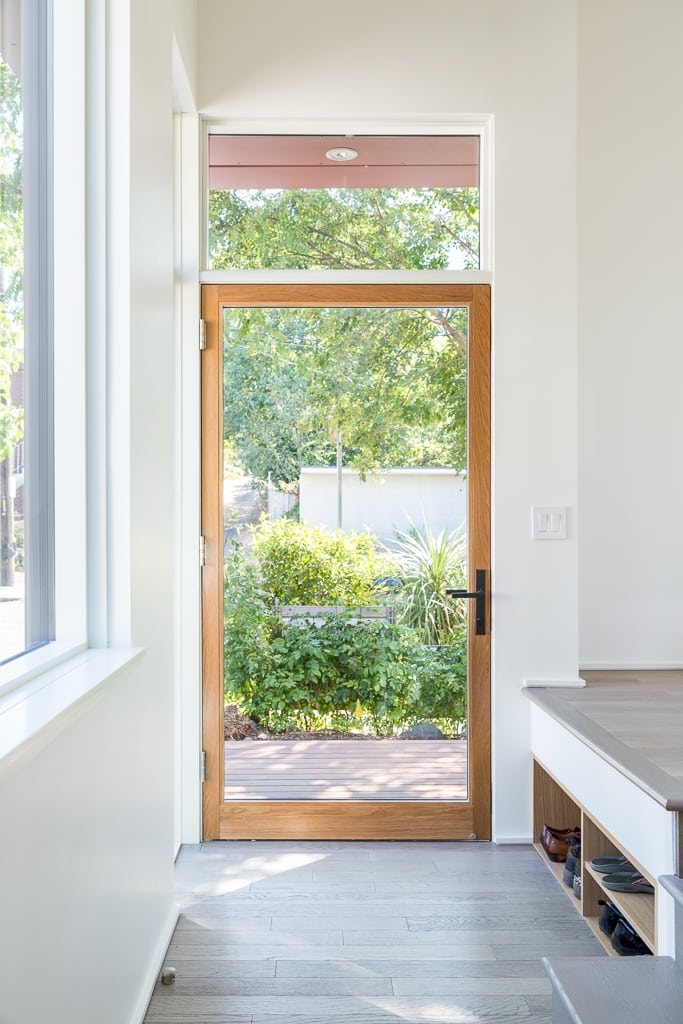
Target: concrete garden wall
(384,502)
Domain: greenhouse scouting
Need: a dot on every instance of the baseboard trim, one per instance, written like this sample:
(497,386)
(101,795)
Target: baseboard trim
(155,963)
(575,681)
(513,841)
(613,666)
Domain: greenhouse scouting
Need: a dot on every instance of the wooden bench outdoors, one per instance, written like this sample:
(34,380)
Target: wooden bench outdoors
(309,614)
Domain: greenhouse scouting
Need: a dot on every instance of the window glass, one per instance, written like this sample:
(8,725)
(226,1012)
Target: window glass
(26,582)
(356,203)
(12,629)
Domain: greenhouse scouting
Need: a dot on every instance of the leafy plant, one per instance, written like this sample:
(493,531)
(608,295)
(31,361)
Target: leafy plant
(344,228)
(393,381)
(377,676)
(301,564)
(442,675)
(427,567)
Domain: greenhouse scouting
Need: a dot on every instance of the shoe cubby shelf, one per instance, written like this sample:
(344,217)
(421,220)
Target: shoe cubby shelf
(554,806)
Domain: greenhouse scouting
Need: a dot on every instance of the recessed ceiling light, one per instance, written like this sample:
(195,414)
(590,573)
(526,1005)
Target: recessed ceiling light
(341,153)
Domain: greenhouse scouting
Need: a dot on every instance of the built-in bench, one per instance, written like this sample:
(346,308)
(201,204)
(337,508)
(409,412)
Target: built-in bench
(603,757)
(674,886)
(631,990)
(599,759)
(607,990)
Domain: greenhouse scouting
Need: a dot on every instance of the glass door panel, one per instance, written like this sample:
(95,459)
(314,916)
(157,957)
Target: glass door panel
(345,501)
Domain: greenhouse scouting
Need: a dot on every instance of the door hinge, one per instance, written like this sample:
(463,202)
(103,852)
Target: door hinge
(202,551)
(202,766)
(202,335)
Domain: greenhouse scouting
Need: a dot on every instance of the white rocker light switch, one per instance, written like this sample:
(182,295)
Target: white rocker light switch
(549,522)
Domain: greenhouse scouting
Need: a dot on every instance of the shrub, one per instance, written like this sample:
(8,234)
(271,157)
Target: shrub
(376,676)
(311,566)
(427,567)
(442,675)
(19,543)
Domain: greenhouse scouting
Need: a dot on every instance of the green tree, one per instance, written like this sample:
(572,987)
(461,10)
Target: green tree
(393,381)
(11,300)
(11,253)
(344,229)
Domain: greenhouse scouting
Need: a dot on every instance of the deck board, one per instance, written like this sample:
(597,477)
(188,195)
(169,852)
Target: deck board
(346,770)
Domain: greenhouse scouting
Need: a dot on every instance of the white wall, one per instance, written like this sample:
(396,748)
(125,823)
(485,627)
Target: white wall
(386,501)
(86,860)
(87,808)
(631,327)
(405,62)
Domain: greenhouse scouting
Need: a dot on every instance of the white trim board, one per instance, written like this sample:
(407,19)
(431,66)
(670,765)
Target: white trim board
(361,124)
(617,666)
(576,682)
(450,277)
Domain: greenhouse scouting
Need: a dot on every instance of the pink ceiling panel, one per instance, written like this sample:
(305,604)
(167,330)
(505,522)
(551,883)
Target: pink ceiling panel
(343,176)
(279,161)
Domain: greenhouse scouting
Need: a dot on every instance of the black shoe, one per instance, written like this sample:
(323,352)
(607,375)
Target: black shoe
(609,918)
(627,942)
(570,867)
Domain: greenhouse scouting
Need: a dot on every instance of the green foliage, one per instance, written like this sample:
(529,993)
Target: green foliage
(344,229)
(11,253)
(302,676)
(319,673)
(304,565)
(427,566)
(393,381)
(442,674)
(308,676)
(249,622)
(19,543)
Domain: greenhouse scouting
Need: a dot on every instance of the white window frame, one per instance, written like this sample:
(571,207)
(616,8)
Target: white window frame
(458,124)
(90,533)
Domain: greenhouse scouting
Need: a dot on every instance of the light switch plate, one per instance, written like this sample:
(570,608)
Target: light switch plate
(549,522)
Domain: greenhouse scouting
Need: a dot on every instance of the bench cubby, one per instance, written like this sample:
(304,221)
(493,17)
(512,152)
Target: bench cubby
(555,806)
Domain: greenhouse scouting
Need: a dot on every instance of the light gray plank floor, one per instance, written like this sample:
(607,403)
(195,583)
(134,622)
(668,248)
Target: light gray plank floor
(365,933)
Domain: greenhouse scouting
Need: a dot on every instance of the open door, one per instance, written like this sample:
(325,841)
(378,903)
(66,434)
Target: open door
(414,790)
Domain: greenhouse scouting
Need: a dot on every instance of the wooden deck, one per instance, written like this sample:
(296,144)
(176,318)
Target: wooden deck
(346,770)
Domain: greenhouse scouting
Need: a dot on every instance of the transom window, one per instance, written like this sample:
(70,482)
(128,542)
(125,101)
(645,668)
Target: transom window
(344,202)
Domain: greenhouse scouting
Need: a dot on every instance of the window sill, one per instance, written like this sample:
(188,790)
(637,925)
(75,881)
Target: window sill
(31,706)
(31,664)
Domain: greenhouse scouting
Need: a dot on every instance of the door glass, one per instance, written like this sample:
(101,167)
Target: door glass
(345,524)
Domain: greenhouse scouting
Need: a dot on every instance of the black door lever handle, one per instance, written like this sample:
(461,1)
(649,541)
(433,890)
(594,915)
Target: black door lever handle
(479,598)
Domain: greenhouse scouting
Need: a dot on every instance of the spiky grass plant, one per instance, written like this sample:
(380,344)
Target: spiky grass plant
(427,567)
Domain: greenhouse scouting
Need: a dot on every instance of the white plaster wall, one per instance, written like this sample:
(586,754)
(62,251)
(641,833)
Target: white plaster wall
(397,61)
(631,326)
(385,501)
(86,861)
(87,808)
(183,22)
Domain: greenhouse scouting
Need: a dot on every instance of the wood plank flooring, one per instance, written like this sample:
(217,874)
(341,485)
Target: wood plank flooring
(346,770)
(365,933)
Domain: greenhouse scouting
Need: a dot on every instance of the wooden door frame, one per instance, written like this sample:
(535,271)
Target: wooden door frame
(339,819)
